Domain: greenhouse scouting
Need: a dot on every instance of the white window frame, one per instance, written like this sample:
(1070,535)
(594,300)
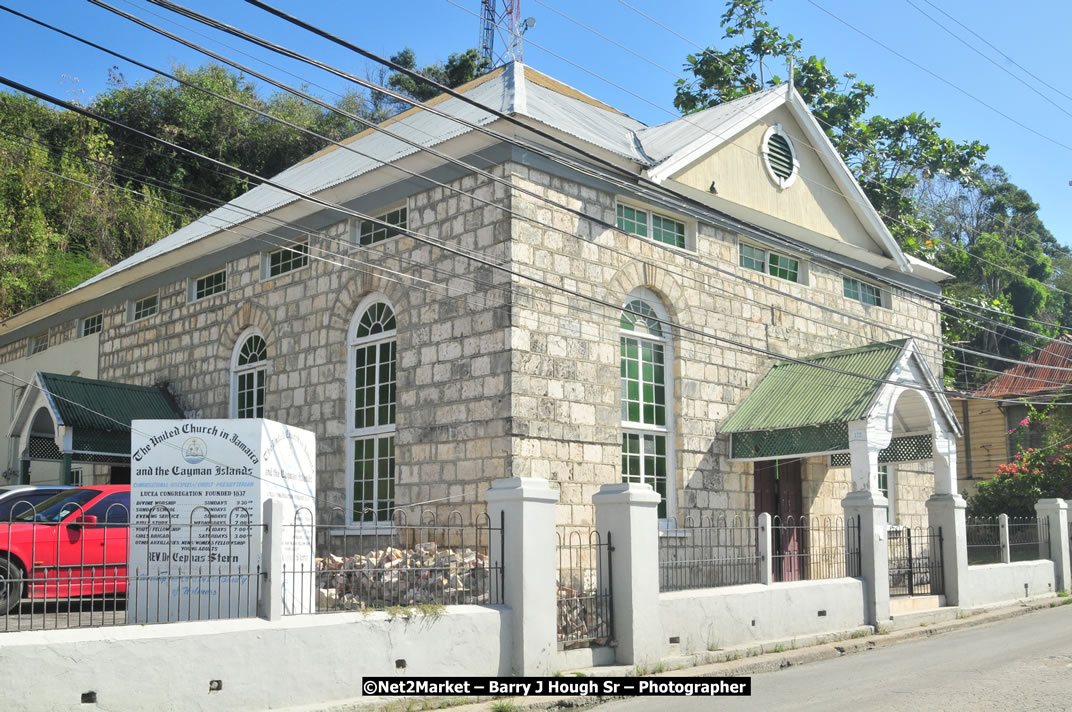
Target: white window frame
(37,343)
(82,324)
(237,371)
(802,264)
(76,477)
(191,289)
(266,258)
(690,225)
(782,183)
(379,214)
(883,295)
(668,431)
(353,433)
(132,307)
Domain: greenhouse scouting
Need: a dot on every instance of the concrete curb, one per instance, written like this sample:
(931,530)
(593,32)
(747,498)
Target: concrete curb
(742,661)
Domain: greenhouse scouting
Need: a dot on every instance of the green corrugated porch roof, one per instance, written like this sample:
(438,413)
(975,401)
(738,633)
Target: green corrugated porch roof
(796,394)
(797,408)
(100,412)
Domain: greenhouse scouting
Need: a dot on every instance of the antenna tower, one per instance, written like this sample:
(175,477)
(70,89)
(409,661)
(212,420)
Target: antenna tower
(502,18)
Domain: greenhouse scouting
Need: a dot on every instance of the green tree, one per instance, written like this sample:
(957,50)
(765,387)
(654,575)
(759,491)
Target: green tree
(989,234)
(460,67)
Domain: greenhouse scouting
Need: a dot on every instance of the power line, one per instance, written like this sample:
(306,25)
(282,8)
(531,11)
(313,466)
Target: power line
(881,326)
(447,248)
(940,78)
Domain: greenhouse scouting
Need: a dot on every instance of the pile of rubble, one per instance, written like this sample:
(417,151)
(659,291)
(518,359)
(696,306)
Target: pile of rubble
(404,577)
(583,617)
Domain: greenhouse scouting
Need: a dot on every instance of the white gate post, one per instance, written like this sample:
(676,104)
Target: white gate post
(1003,537)
(270,605)
(527,506)
(630,514)
(1057,512)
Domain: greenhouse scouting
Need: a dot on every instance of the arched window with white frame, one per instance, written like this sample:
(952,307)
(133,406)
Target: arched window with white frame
(647,397)
(249,375)
(371,411)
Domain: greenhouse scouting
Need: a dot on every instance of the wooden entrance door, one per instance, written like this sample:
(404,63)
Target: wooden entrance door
(778,491)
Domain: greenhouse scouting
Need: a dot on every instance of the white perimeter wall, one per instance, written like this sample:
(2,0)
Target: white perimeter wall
(1002,583)
(720,617)
(298,660)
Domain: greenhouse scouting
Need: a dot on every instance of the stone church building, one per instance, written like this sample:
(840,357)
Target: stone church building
(570,294)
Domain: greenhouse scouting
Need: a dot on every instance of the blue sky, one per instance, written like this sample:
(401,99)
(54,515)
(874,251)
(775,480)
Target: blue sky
(1035,38)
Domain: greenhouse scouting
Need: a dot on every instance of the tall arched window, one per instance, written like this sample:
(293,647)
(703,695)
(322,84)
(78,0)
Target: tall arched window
(249,374)
(646,360)
(371,418)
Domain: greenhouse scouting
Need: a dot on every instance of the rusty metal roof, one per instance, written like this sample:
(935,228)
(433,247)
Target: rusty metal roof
(1045,371)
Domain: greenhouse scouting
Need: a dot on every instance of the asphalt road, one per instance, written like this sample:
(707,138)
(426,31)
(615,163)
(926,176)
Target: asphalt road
(1023,664)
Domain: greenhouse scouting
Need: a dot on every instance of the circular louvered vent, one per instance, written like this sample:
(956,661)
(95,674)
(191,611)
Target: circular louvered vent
(780,157)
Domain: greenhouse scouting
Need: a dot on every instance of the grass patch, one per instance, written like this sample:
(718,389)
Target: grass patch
(505,706)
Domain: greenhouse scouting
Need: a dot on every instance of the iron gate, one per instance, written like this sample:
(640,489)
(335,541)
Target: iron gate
(915,562)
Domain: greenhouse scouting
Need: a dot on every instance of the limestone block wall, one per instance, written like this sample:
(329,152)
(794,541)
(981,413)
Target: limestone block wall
(453,366)
(565,360)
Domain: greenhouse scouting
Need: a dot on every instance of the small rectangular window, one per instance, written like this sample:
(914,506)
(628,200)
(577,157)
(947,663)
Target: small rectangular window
(668,230)
(370,232)
(633,221)
(753,258)
(92,324)
(38,343)
(883,481)
(288,259)
(209,284)
(647,224)
(76,478)
(783,267)
(772,263)
(145,307)
(862,291)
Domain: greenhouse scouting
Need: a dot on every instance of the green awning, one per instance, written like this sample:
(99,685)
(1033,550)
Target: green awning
(799,409)
(99,413)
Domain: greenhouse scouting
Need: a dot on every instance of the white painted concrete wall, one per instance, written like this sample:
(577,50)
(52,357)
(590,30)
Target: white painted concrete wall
(1002,583)
(76,355)
(298,660)
(720,617)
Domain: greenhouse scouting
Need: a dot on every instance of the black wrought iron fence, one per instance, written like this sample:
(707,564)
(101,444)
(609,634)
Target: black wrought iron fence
(709,553)
(1029,538)
(584,588)
(984,541)
(432,561)
(68,566)
(814,548)
(915,561)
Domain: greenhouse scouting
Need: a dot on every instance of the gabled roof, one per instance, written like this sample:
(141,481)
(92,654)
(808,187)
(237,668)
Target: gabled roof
(90,418)
(802,408)
(796,394)
(512,88)
(703,132)
(105,405)
(1045,371)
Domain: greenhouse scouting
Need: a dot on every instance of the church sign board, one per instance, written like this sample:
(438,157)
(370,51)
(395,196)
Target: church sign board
(198,489)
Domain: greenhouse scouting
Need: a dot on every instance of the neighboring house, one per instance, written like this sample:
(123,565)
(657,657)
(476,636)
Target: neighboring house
(994,430)
(686,253)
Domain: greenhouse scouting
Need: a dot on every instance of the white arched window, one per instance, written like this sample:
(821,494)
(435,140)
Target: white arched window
(647,412)
(249,374)
(371,416)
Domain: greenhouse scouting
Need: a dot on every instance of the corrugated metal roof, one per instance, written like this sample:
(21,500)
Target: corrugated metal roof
(585,120)
(331,168)
(1040,374)
(794,395)
(90,404)
(662,141)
